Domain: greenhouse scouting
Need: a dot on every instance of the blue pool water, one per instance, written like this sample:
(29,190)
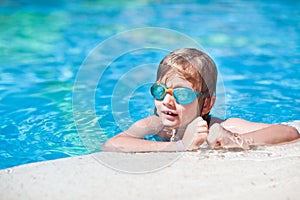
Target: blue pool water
(255,44)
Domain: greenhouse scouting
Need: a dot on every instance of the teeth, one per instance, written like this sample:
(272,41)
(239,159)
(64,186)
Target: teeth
(169,113)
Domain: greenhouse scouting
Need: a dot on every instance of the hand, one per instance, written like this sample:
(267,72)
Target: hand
(195,134)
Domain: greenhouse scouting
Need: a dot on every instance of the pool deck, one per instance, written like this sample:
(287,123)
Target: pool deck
(187,175)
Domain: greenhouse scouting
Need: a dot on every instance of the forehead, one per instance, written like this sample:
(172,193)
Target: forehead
(176,81)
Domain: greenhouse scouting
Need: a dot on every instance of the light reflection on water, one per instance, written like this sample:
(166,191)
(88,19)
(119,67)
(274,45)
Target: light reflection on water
(42,45)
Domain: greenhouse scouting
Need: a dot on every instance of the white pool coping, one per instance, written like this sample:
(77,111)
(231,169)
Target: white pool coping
(190,175)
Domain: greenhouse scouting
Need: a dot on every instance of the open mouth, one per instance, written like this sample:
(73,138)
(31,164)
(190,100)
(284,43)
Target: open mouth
(168,113)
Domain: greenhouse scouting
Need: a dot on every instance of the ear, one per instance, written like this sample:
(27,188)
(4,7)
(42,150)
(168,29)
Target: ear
(208,104)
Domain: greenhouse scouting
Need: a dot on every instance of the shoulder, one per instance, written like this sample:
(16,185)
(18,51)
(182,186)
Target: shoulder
(215,120)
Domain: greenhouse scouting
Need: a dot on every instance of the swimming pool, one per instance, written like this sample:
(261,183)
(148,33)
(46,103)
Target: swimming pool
(43,44)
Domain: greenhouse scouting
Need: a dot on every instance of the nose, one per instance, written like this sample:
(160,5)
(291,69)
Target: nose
(169,100)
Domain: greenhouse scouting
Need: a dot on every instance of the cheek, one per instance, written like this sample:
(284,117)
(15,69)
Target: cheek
(191,111)
(157,104)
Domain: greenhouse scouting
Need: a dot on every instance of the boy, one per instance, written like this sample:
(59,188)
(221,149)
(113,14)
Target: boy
(184,94)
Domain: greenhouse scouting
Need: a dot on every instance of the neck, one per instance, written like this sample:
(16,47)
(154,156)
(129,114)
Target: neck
(175,133)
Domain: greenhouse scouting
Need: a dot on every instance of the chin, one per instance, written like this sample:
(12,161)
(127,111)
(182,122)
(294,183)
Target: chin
(170,123)
(173,124)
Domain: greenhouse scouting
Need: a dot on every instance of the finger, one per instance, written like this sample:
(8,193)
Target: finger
(202,131)
(202,125)
(201,121)
(199,118)
(202,135)
(200,139)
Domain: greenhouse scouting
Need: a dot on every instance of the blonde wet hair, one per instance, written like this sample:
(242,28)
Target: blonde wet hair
(192,64)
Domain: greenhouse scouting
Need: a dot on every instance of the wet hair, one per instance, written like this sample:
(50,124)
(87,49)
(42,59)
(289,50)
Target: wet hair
(193,65)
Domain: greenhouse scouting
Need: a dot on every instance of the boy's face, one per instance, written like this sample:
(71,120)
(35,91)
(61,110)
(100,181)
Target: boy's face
(170,112)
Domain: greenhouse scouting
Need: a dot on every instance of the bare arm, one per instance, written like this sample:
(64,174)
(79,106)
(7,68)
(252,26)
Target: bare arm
(124,143)
(131,139)
(260,133)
